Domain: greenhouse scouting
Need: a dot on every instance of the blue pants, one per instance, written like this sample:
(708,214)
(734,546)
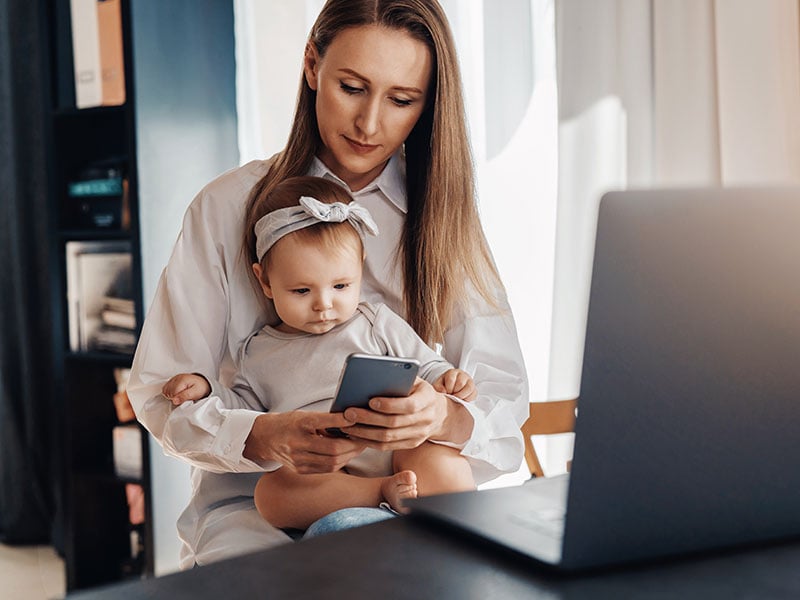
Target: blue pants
(347,518)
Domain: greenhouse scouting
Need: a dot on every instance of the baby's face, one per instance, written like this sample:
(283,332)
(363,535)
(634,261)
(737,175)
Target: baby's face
(313,288)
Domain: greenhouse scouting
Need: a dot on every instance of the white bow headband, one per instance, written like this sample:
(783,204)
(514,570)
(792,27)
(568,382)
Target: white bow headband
(273,226)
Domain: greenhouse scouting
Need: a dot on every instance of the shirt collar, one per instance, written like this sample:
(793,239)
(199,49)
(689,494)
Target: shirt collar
(390,181)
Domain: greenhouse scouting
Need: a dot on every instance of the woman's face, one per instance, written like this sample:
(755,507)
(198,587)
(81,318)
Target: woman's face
(371,89)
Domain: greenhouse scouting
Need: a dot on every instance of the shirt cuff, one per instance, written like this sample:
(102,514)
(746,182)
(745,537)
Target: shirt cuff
(231,437)
(478,441)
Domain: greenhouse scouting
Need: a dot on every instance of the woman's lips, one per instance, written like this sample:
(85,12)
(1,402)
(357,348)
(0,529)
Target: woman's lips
(359,148)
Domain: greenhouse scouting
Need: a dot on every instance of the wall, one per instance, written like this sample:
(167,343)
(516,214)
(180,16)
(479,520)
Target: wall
(184,80)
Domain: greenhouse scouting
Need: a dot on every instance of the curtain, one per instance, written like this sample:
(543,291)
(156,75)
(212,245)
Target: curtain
(26,497)
(266,88)
(663,93)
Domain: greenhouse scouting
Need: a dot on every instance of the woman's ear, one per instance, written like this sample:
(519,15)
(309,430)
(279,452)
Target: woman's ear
(311,65)
(262,281)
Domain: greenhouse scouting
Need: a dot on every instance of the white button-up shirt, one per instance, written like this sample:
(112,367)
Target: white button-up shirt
(204,308)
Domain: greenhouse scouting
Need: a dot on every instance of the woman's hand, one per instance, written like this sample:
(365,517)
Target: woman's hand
(399,423)
(298,440)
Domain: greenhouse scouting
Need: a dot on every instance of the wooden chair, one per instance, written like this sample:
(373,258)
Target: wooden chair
(546,418)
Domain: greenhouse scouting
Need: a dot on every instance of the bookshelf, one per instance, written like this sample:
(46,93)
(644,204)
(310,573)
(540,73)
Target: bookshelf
(120,177)
(93,191)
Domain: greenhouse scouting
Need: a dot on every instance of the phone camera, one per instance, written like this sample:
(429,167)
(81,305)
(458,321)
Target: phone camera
(406,366)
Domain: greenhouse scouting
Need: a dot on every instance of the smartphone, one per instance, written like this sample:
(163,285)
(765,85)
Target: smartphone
(366,376)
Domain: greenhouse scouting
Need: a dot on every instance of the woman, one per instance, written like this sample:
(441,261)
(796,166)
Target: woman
(380,111)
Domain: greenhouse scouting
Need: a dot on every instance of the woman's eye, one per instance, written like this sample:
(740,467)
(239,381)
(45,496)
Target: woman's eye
(349,89)
(402,101)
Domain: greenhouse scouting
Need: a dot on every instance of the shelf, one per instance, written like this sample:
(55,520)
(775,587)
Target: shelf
(91,507)
(97,476)
(95,555)
(109,358)
(80,235)
(73,112)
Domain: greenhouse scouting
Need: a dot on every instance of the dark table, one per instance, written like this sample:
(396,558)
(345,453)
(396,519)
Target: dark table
(414,558)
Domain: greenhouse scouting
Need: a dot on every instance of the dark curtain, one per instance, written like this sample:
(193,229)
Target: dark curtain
(26,378)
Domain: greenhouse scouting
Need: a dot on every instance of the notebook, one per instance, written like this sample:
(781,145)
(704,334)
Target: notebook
(688,429)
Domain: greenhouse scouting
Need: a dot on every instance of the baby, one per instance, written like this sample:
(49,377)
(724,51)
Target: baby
(309,240)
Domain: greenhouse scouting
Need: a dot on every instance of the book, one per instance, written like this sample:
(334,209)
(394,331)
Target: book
(97,270)
(112,339)
(122,305)
(86,53)
(122,404)
(95,187)
(134,493)
(115,318)
(98,196)
(119,309)
(112,62)
(127,451)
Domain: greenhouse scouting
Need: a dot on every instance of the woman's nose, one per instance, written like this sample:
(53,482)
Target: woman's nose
(368,119)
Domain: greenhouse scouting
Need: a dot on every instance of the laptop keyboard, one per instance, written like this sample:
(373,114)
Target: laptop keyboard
(546,521)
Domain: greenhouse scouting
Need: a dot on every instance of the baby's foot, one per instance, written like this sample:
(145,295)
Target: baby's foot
(398,487)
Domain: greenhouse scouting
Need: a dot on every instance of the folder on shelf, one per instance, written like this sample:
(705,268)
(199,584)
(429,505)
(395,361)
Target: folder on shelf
(112,64)
(122,403)
(86,53)
(127,450)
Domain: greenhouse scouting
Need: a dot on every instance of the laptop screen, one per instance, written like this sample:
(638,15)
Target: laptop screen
(692,359)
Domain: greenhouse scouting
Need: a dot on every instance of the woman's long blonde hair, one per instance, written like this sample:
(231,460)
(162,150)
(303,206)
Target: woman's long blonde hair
(443,249)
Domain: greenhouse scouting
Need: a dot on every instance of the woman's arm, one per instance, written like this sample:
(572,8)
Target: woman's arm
(187,329)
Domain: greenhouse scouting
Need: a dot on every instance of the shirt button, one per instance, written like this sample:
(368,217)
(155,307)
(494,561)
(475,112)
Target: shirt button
(226,449)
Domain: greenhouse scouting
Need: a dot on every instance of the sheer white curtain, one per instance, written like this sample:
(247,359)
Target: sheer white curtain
(270,38)
(663,93)
(507,56)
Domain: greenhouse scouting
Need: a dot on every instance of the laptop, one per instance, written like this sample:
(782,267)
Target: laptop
(688,429)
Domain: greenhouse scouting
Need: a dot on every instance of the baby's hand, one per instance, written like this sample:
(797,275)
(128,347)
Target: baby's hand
(186,387)
(458,383)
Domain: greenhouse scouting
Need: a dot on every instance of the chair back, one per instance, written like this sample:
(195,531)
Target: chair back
(546,418)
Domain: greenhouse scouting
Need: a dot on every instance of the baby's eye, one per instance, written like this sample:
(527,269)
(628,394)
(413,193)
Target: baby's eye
(300,291)
(341,286)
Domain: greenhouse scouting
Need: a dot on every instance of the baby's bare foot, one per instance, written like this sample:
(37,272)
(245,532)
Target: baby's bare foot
(398,487)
